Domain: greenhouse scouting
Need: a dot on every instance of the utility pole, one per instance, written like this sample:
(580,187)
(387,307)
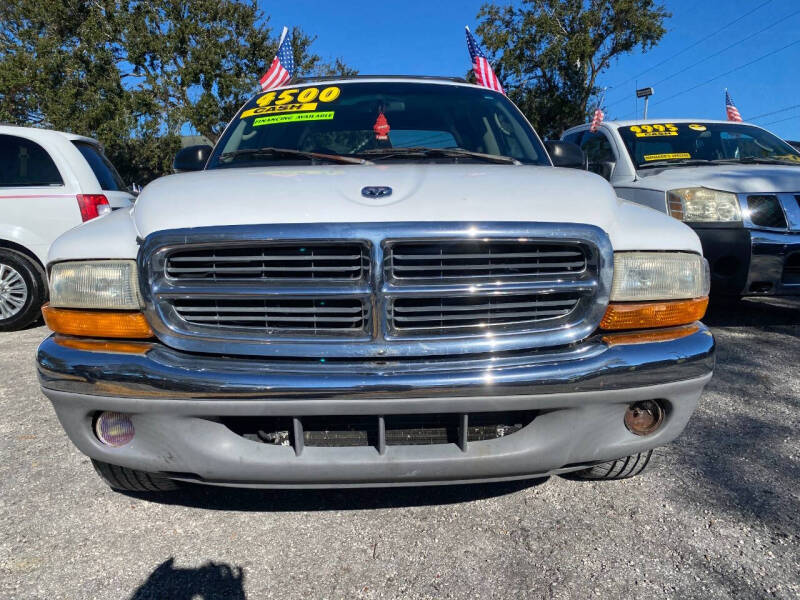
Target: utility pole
(645,93)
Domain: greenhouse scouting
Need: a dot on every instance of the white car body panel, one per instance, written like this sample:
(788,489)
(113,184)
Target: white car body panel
(33,217)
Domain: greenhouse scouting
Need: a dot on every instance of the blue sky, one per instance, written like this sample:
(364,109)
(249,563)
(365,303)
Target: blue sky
(426,37)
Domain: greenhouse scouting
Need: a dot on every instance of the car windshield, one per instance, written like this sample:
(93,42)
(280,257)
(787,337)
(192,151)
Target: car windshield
(378,121)
(659,144)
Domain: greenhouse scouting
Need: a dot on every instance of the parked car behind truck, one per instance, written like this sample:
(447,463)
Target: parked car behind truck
(50,181)
(375,281)
(737,185)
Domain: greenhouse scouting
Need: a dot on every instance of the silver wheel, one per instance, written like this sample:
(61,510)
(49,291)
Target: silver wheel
(13,292)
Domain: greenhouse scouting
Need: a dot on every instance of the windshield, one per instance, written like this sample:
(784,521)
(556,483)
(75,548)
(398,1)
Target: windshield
(653,143)
(378,121)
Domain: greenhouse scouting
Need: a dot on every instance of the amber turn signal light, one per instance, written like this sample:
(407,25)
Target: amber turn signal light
(97,323)
(648,315)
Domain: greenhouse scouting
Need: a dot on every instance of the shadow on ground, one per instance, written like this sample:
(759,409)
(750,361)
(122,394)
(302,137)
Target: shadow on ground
(282,500)
(211,581)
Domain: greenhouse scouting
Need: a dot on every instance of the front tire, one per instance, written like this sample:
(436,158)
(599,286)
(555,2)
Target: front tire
(23,290)
(131,480)
(621,468)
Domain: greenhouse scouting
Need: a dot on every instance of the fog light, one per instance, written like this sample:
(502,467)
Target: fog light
(113,428)
(643,418)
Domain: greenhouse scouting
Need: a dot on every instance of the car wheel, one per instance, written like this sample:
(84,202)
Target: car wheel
(131,480)
(23,290)
(617,469)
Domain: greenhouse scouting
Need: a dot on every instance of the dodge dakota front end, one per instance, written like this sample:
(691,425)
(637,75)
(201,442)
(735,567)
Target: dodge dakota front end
(378,281)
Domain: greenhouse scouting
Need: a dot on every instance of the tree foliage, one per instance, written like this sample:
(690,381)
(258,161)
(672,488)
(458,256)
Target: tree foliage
(549,53)
(135,73)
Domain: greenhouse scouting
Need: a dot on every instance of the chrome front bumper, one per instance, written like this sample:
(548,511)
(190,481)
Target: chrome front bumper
(176,400)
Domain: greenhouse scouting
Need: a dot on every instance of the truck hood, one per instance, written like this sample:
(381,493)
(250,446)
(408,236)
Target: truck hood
(332,194)
(420,192)
(744,179)
(424,192)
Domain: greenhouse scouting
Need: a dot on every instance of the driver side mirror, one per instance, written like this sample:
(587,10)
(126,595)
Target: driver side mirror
(566,154)
(191,158)
(603,168)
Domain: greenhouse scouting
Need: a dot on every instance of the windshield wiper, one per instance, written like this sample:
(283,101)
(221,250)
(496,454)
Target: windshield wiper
(755,160)
(290,153)
(422,152)
(685,162)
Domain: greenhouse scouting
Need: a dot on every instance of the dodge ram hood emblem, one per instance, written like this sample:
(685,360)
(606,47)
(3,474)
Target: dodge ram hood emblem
(376,191)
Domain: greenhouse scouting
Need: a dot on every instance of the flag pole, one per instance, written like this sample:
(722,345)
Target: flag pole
(283,35)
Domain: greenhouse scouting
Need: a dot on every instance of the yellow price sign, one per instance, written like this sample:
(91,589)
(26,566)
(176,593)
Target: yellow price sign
(300,96)
(293,100)
(671,156)
(654,130)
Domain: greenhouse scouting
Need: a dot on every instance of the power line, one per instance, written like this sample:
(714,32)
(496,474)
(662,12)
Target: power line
(690,46)
(782,120)
(774,112)
(709,57)
(726,73)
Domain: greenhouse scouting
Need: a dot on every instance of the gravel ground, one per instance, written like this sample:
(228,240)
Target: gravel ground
(718,515)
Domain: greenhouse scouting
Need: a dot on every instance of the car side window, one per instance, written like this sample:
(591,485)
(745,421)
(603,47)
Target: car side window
(24,163)
(573,138)
(599,153)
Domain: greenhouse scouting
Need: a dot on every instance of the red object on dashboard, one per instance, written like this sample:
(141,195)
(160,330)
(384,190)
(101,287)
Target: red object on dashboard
(381,127)
(90,205)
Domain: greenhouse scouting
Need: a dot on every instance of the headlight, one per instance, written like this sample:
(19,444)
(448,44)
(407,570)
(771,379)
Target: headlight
(643,276)
(101,284)
(702,204)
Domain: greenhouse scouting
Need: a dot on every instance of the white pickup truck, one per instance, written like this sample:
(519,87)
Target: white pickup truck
(375,281)
(736,184)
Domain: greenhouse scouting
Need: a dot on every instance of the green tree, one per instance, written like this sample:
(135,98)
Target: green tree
(549,53)
(136,73)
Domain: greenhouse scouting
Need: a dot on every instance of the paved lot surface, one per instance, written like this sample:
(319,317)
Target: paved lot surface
(717,517)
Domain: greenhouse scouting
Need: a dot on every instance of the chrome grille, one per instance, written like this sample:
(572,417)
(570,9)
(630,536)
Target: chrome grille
(276,316)
(481,312)
(374,290)
(276,261)
(456,260)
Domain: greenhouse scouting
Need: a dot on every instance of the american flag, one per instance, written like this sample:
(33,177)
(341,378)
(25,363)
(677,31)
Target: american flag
(733,114)
(597,119)
(282,67)
(483,70)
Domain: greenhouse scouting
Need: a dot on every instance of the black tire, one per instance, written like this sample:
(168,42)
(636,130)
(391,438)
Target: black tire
(621,468)
(131,480)
(35,283)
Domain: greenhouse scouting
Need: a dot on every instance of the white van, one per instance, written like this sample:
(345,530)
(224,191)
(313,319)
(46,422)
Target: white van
(50,181)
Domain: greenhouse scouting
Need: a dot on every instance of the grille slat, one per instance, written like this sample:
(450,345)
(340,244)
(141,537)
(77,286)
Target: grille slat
(263,257)
(304,316)
(505,315)
(285,261)
(481,313)
(492,267)
(273,318)
(484,255)
(454,260)
(506,305)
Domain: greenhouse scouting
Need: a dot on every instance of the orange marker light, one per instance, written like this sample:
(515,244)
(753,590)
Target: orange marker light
(124,347)
(648,315)
(650,336)
(97,323)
